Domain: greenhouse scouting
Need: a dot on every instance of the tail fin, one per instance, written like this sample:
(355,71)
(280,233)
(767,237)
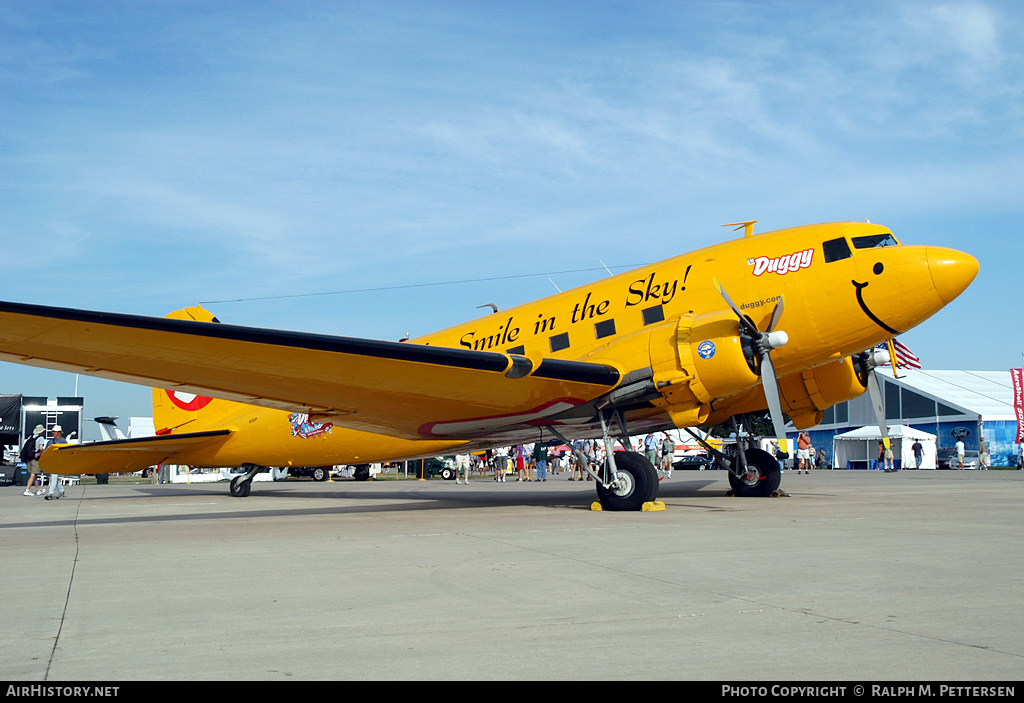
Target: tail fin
(187,412)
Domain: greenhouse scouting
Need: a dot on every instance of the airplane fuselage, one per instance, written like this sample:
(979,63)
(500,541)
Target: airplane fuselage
(846,286)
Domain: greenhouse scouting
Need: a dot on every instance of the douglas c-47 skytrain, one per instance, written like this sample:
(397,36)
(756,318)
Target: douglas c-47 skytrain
(784,321)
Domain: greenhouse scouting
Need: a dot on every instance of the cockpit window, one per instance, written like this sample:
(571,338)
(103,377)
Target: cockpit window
(872,241)
(836,249)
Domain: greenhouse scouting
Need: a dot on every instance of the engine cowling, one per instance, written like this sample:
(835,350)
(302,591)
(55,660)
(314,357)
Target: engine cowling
(698,359)
(805,395)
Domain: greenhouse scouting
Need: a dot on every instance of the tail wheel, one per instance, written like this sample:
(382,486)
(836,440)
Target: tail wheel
(240,487)
(637,483)
(762,478)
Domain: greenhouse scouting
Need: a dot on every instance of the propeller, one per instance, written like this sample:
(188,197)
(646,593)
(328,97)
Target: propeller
(764,343)
(868,361)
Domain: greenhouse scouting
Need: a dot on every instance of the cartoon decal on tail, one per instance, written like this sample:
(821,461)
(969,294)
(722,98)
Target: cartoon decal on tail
(304,428)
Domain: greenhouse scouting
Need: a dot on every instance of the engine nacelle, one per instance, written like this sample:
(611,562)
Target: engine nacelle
(805,395)
(697,360)
(720,359)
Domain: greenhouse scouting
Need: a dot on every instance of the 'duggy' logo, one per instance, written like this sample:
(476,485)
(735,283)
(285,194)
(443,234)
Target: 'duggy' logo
(782,264)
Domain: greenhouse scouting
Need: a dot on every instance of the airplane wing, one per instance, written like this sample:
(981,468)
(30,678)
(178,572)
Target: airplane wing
(124,455)
(400,389)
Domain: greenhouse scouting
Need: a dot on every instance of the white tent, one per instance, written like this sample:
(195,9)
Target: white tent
(860,447)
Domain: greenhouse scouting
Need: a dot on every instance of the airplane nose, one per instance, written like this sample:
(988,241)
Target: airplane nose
(952,271)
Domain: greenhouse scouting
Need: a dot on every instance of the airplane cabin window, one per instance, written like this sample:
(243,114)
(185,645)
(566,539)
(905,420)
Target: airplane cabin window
(605,328)
(520,350)
(836,249)
(559,342)
(875,240)
(652,315)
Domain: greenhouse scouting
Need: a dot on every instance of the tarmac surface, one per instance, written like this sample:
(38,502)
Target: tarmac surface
(855,576)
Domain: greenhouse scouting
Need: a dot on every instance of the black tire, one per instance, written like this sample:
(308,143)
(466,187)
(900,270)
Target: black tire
(361,472)
(447,474)
(641,483)
(321,473)
(240,488)
(762,479)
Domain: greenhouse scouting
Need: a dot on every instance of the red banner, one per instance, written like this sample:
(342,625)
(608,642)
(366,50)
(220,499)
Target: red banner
(1018,401)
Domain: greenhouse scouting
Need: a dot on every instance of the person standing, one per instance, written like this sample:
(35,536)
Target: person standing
(918,450)
(540,456)
(462,467)
(577,460)
(30,452)
(500,464)
(56,491)
(803,453)
(651,449)
(983,454)
(960,453)
(668,454)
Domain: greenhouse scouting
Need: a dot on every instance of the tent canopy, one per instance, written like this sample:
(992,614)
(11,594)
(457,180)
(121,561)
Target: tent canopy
(860,446)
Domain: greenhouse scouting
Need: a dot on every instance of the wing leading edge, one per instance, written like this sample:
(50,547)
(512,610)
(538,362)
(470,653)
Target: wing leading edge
(387,387)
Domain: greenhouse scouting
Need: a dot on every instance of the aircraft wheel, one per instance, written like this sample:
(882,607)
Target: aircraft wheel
(321,473)
(447,474)
(763,476)
(638,483)
(239,487)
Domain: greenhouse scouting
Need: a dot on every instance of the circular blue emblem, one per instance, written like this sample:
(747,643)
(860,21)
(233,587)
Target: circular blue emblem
(706,349)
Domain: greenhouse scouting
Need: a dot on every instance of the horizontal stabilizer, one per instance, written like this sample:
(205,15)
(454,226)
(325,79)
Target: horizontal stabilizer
(125,455)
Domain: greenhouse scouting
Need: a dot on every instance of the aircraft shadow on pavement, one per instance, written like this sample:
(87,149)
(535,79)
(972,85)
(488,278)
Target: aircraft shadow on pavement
(353,501)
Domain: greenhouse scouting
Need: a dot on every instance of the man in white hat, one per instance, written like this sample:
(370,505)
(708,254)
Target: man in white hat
(34,446)
(56,491)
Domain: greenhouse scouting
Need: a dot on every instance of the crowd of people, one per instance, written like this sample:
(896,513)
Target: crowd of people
(534,462)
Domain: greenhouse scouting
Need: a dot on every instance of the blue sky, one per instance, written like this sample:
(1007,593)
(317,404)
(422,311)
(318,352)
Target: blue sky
(158,154)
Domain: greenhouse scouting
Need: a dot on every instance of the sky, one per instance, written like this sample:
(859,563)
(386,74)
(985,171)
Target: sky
(381,169)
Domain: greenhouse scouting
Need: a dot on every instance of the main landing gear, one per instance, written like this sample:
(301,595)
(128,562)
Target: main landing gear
(753,472)
(627,480)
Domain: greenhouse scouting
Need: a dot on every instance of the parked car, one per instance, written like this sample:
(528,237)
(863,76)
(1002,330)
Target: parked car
(946,456)
(697,462)
(317,473)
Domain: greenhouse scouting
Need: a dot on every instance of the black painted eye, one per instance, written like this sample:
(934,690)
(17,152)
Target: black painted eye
(878,268)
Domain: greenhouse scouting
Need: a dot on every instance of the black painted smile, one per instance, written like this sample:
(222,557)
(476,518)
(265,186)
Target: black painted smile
(863,306)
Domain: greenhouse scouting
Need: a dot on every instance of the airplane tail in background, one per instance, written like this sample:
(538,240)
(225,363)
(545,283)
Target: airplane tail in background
(178,411)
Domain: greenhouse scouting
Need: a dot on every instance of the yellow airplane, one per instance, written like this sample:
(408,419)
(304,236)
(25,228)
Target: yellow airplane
(693,340)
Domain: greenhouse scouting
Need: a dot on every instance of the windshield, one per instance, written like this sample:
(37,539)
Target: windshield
(874,240)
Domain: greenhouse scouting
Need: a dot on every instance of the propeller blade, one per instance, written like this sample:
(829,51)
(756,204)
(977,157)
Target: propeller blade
(875,392)
(743,318)
(771,394)
(776,316)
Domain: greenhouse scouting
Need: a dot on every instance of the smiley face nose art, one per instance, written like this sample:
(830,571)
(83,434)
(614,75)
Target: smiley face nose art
(877,269)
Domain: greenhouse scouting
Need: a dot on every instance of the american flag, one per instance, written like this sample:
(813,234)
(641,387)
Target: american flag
(905,359)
